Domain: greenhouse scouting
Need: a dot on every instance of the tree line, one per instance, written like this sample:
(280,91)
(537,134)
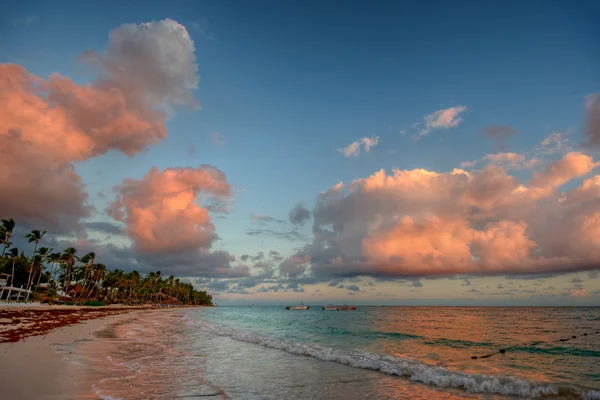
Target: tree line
(83,278)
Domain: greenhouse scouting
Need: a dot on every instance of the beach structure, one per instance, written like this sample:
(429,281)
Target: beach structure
(12,293)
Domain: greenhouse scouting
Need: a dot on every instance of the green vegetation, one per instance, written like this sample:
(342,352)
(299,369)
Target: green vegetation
(66,278)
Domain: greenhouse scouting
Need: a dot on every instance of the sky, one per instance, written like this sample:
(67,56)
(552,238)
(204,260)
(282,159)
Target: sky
(419,153)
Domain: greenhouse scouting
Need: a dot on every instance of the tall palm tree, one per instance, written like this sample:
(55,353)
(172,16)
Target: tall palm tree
(42,254)
(35,236)
(7,228)
(89,260)
(68,257)
(14,253)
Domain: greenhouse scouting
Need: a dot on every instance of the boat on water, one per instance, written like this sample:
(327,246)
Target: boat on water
(300,307)
(338,308)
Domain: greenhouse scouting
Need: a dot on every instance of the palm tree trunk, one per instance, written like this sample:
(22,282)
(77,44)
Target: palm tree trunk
(31,270)
(12,279)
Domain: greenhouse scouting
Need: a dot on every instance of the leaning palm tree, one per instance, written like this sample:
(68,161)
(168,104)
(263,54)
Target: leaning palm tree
(89,260)
(68,258)
(14,253)
(7,228)
(35,236)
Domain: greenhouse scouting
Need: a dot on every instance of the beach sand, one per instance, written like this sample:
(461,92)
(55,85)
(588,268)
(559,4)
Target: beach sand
(32,368)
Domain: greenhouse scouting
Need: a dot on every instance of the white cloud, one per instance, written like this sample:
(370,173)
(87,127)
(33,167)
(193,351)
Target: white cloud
(441,119)
(353,149)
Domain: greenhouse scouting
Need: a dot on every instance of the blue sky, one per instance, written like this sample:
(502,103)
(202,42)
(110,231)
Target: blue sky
(286,84)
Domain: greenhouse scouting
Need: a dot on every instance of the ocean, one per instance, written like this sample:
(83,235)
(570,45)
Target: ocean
(370,353)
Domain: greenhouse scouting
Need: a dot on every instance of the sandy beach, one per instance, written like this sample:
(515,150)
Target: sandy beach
(30,366)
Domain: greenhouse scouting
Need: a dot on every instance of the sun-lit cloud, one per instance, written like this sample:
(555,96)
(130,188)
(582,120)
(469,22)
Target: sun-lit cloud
(162,212)
(441,119)
(579,293)
(353,149)
(48,124)
(486,222)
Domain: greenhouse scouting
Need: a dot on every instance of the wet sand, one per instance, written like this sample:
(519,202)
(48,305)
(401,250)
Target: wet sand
(30,366)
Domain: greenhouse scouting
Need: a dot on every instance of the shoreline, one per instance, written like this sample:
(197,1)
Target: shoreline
(32,367)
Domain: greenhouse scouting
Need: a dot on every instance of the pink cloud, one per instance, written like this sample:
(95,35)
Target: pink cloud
(144,72)
(162,210)
(578,293)
(441,119)
(487,222)
(353,149)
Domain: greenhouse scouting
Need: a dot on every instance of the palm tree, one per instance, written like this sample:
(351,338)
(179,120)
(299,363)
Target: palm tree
(35,236)
(68,257)
(89,260)
(14,253)
(7,228)
(53,258)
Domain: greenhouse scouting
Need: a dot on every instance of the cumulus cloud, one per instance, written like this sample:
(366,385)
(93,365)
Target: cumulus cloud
(578,293)
(299,215)
(441,119)
(487,222)
(592,126)
(161,210)
(294,266)
(353,149)
(49,124)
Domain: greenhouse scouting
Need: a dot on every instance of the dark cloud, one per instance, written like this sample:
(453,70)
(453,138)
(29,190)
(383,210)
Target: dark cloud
(467,283)
(245,257)
(353,288)
(593,274)
(106,227)
(292,235)
(592,123)
(299,215)
(472,290)
(265,219)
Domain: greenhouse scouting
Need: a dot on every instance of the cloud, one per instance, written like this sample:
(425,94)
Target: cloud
(578,293)
(293,266)
(353,288)
(265,219)
(299,215)
(592,125)
(472,290)
(24,21)
(441,119)
(353,149)
(292,235)
(161,210)
(48,125)
(106,227)
(417,223)
(215,138)
(275,255)
(499,134)
(467,282)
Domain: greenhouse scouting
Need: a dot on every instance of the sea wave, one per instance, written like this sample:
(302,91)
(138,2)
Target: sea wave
(414,370)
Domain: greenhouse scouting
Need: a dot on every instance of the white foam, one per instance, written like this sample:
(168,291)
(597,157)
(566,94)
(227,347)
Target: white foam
(414,370)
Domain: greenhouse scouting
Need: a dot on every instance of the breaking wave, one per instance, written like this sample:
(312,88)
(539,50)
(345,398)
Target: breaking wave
(414,370)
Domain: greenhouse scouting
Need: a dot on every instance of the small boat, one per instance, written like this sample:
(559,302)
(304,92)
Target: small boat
(346,308)
(300,307)
(330,308)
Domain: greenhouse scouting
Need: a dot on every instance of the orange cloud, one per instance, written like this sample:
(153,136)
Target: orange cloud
(47,125)
(420,222)
(578,293)
(162,210)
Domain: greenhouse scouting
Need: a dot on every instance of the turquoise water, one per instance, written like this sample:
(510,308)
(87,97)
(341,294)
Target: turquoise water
(374,352)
